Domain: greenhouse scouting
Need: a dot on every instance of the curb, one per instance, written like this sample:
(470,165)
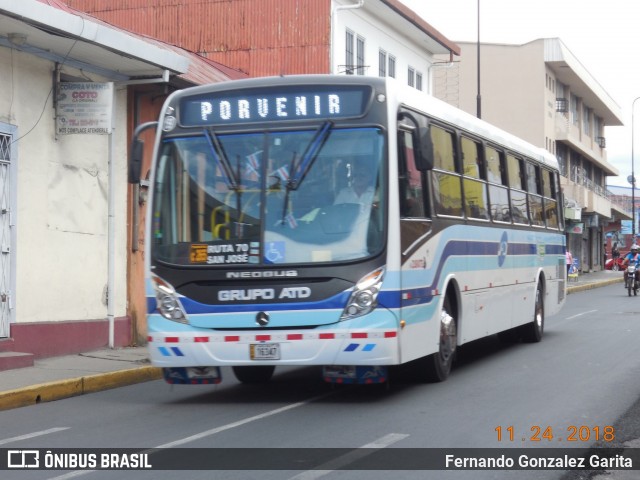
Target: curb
(50,391)
(589,286)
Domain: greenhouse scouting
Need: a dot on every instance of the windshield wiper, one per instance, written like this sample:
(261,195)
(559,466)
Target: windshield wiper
(299,171)
(229,175)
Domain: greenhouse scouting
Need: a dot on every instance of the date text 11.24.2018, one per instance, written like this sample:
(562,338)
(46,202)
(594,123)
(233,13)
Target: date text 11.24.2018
(571,433)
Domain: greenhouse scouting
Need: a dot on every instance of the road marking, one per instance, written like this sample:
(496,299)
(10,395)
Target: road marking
(33,435)
(350,457)
(579,314)
(208,433)
(229,426)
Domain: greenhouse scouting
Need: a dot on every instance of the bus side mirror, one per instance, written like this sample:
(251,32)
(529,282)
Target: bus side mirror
(135,161)
(424,159)
(422,144)
(137,152)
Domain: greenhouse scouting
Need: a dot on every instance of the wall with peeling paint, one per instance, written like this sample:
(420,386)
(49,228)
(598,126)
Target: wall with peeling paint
(61,206)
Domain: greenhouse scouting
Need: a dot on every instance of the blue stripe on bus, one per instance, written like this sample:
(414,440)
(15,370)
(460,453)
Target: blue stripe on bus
(519,254)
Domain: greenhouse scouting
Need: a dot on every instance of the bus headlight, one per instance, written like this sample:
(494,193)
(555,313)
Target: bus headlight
(167,301)
(364,297)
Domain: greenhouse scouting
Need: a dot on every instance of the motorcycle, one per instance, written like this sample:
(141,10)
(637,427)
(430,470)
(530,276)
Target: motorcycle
(631,282)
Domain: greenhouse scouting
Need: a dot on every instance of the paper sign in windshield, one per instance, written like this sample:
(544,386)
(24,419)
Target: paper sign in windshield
(225,253)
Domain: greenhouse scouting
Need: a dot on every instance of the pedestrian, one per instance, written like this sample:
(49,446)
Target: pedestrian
(569,258)
(615,253)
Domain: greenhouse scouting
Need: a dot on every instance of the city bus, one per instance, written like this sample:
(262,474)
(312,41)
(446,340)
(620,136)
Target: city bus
(346,222)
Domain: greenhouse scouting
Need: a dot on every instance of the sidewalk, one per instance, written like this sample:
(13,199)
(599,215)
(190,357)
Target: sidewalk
(61,377)
(586,281)
(70,375)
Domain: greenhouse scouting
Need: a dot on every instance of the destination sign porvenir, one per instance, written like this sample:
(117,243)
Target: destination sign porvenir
(291,103)
(322,459)
(84,108)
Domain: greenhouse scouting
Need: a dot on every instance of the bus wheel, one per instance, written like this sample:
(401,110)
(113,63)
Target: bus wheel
(439,364)
(532,332)
(254,374)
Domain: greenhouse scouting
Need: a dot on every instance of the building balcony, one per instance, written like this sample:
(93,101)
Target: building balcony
(592,199)
(591,147)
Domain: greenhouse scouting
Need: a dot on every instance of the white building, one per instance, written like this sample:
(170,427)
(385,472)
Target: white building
(63,198)
(541,92)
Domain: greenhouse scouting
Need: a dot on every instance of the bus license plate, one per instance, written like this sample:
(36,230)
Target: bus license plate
(264,351)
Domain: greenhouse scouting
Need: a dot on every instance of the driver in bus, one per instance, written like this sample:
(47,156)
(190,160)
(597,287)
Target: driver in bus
(361,190)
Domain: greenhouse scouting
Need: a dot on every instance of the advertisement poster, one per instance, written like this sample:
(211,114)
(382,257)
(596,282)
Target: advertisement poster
(84,108)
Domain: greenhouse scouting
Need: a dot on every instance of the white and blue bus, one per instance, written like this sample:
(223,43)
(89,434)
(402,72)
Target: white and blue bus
(348,222)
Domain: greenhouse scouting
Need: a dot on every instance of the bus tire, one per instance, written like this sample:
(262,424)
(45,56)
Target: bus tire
(254,374)
(438,365)
(532,332)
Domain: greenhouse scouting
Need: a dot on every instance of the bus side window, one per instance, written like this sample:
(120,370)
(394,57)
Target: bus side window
(534,187)
(447,189)
(498,191)
(516,176)
(411,186)
(475,188)
(550,199)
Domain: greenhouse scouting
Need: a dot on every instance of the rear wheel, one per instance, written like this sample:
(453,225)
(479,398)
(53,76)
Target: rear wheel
(532,332)
(254,374)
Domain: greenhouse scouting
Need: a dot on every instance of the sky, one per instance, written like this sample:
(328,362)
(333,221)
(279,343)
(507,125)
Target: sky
(603,36)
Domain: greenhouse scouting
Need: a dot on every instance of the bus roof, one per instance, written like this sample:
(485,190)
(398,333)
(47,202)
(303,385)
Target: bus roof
(402,94)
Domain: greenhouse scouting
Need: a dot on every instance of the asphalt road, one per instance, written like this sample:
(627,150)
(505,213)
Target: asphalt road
(583,375)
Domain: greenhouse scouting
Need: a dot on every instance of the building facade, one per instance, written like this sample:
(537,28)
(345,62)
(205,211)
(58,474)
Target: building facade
(65,202)
(540,92)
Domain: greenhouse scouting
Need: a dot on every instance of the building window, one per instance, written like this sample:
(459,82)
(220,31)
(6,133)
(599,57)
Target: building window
(411,77)
(418,80)
(586,120)
(348,60)
(392,66)
(575,118)
(562,105)
(360,55)
(382,63)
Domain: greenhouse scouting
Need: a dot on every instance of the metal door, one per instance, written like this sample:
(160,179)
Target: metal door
(5,234)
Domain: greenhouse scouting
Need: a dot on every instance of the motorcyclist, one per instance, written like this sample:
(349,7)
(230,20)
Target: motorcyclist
(633,257)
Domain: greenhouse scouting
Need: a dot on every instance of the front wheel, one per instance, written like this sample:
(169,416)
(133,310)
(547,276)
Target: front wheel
(532,332)
(438,365)
(254,374)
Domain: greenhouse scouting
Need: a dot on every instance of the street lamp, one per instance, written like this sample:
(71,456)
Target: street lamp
(632,178)
(478,97)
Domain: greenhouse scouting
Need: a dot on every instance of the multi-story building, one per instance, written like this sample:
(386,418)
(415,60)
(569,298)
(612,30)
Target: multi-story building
(541,92)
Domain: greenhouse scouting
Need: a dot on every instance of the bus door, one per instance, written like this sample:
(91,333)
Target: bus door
(415,231)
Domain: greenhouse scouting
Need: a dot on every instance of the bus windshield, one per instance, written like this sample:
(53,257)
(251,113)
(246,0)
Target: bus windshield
(294,196)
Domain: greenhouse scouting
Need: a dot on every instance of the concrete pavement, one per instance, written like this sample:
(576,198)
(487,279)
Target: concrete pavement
(70,375)
(67,376)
